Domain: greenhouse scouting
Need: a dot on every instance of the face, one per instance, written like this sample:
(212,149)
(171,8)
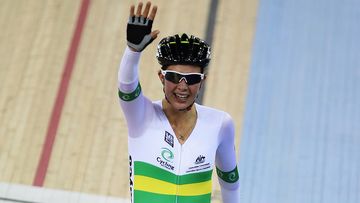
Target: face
(182,94)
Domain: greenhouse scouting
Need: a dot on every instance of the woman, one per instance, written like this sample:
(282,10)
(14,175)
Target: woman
(174,143)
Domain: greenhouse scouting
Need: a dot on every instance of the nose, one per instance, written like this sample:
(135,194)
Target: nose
(183,79)
(182,83)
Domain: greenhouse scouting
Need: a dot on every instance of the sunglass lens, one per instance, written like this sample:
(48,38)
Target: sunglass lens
(173,77)
(193,79)
(189,79)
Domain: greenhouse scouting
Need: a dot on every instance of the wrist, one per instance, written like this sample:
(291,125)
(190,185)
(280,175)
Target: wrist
(132,49)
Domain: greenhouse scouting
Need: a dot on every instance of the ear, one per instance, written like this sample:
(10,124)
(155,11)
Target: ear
(161,77)
(202,82)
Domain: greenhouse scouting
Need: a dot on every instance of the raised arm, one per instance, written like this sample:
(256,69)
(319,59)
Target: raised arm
(139,35)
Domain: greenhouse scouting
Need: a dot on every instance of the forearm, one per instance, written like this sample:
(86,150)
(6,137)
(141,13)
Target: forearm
(231,195)
(131,99)
(128,71)
(229,182)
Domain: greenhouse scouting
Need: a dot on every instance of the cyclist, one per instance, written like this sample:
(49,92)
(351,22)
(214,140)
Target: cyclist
(174,143)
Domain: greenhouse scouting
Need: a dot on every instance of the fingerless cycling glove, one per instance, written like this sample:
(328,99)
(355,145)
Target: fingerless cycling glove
(138,32)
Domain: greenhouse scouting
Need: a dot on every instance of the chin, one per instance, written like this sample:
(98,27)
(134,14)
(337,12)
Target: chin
(176,104)
(180,105)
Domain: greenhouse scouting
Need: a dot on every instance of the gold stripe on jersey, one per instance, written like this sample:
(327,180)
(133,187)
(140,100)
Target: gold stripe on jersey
(153,185)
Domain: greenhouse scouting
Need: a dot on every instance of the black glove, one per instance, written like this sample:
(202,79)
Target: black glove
(138,32)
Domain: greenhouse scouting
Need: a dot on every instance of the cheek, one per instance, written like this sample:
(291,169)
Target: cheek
(194,89)
(168,86)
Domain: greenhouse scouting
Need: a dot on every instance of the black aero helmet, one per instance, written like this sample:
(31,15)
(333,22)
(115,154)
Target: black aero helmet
(174,50)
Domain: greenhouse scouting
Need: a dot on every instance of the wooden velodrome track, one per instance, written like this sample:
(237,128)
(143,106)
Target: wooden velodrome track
(78,109)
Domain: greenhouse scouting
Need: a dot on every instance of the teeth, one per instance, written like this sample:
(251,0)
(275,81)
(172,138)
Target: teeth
(181,96)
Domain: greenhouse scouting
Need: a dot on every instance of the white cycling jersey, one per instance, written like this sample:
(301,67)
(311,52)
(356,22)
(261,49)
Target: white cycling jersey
(161,169)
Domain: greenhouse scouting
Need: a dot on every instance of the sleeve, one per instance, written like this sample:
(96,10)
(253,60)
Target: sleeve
(133,103)
(226,166)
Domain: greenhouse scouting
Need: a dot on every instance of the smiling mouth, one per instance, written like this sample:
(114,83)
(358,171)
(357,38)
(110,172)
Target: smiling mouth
(181,97)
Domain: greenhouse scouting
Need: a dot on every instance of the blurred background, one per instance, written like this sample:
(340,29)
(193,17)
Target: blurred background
(287,71)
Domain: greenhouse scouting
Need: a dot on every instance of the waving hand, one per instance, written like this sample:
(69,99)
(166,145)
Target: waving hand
(139,26)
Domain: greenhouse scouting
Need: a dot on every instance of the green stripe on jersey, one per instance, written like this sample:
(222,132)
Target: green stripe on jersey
(142,196)
(230,177)
(195,199)
(196,177)
(148,170)
(130,96)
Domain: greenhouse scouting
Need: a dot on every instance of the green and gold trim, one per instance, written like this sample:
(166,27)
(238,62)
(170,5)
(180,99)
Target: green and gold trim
(142,196)
(130,96)
(230,177)
(155,184)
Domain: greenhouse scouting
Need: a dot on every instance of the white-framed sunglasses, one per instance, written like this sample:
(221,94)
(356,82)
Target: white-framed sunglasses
(176,77)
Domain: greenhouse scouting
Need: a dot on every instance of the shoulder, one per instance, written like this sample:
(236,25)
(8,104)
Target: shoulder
(213,114)
(217,121)
(157,105)
(158,110)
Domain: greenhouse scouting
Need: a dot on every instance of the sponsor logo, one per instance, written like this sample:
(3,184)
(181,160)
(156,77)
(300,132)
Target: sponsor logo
(200,167)
(169,138)
(167,157)
(200,159)
(131,176)
(167,154)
